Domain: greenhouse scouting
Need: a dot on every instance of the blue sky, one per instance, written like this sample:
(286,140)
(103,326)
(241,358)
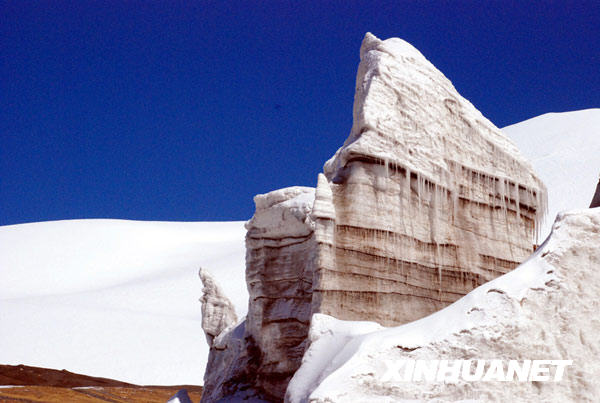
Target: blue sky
(183,111)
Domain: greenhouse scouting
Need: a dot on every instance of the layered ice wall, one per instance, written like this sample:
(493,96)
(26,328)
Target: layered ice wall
(425,201)
(428,199)
(257,358)
(279,249)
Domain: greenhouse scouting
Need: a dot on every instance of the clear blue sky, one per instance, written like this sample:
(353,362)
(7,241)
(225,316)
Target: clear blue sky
(165,110)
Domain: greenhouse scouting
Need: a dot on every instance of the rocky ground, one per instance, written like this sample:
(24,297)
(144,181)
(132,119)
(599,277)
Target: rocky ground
(32,384)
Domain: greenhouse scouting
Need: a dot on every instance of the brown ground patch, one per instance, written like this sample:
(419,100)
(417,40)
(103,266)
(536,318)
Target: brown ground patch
(94,394)
(33,384)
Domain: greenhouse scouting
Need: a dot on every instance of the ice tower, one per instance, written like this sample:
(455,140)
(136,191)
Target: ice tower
(425,201)
(428,198)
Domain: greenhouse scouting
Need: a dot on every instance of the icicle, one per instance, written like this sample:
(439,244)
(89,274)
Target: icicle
(436,205)
(455,200)
(409,198)
(528,202)
(439,268)
(401,204)
(395,254)
(470,187)
(503,192)
(387,168)
(542,211)
(489,190)
(517,201)
(419,191)
(386,249)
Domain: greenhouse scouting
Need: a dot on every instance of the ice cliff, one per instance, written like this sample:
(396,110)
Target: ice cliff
(279,248)
(425,201)
(429,199)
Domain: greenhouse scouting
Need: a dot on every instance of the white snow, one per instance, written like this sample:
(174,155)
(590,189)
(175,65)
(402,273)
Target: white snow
(564,149)
(114,298)
(326,335)
(87,388)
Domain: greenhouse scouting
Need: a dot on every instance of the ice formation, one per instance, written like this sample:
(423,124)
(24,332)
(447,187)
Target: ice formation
(425,201)
(257,358)
(279,244)
(545,309)
(218,313)
(429,198)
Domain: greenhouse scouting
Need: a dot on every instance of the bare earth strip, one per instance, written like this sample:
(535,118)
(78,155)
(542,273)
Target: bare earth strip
(32,384)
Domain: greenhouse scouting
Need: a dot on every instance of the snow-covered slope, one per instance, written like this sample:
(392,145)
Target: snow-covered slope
(114,298)
(547,308)
(564,149)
